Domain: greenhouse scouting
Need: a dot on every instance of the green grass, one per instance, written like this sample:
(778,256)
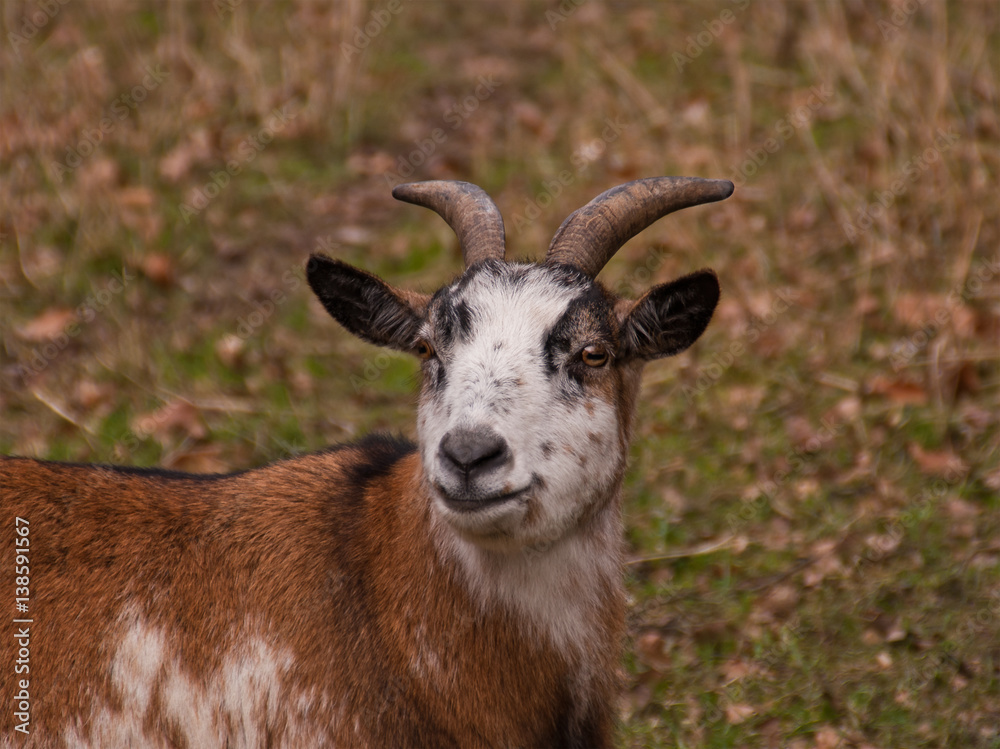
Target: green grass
(821,577)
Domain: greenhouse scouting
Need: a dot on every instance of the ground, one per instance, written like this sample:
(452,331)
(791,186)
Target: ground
(812,506)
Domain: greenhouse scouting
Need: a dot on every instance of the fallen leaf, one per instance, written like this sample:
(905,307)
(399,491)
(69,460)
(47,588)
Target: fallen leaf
(739,712)
(896,633)
(781,600)
(936,462)
(89,395)
(992,479)
(734,669)
(866,304)
(48,325)
(160,424)
(158,268)
(827,738)
(177,164)
(230,349)
(871,636)
(897,390)
(933,312)
(137,196)
(652,649)
(371,163)
(961,509)
(826,563)
(197,460)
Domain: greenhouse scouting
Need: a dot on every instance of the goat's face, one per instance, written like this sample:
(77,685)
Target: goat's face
(521,423)
(529,380)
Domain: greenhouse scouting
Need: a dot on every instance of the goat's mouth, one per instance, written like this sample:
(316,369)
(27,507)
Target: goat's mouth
(471,501)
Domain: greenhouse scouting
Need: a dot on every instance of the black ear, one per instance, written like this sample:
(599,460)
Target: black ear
(670,317)
(365,304)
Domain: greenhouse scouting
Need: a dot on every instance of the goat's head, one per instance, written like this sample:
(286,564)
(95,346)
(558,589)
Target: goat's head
(530,371)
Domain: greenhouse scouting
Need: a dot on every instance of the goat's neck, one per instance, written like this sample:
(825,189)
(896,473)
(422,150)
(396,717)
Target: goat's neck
(562,591)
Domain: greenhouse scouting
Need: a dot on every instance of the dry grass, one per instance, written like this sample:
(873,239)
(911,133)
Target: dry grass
(814,488)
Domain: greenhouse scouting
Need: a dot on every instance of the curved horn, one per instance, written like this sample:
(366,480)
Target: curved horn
(469,211)
(593,234)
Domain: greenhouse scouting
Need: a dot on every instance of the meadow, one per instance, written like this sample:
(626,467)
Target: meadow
(813,502)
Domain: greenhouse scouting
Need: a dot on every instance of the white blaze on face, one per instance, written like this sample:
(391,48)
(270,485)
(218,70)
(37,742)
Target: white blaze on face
(507,339)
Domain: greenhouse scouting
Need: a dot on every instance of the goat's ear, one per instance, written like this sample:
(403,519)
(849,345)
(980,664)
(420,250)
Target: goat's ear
(668,318)
(365,304)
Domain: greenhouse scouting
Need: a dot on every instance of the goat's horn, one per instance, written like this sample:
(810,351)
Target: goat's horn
(593,234)
(469,211)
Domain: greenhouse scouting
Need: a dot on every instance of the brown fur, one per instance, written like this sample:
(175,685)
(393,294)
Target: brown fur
(290,555)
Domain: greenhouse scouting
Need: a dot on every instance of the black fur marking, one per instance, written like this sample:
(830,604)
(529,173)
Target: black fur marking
(152,472)
(444,324)
(670,317)
(516,276)
(587,319)
(569,276)
(377,454)
(452,319)
(363,303)
(381,452)
(463,316)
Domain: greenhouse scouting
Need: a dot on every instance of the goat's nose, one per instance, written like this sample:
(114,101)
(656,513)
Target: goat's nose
(473,452)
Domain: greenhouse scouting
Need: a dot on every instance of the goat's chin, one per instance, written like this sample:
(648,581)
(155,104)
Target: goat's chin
(498,527)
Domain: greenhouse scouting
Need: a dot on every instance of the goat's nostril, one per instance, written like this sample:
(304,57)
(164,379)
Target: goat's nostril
(474,451)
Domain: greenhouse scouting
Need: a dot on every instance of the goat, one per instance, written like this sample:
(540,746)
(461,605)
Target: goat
(463,592)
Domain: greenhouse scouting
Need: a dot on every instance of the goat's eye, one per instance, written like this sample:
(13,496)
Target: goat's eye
(594,355)
(424,350)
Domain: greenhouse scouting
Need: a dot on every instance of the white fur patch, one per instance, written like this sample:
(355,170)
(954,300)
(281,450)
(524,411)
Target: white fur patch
(235,707)
(554,590)
(137,662)
(565,450)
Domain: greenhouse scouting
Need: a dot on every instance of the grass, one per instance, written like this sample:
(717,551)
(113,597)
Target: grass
(812,506)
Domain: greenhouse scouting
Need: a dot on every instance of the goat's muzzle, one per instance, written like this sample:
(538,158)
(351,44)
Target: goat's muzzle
(470,457)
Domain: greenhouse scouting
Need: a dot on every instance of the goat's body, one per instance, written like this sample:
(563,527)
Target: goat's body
(294,605)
